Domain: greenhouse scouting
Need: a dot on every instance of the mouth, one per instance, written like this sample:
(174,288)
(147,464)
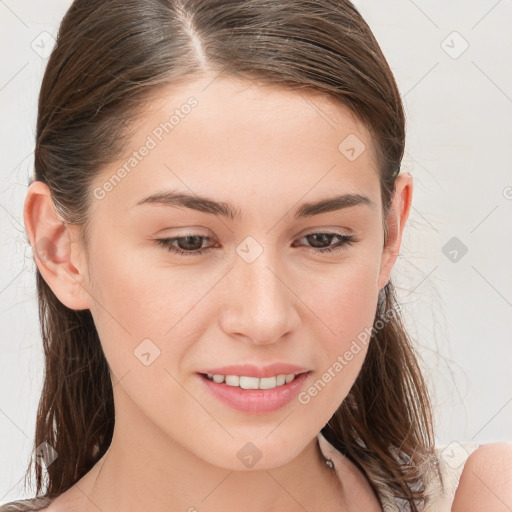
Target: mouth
(247,382)
(254,395)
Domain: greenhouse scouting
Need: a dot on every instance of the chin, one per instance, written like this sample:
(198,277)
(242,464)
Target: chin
(248,455)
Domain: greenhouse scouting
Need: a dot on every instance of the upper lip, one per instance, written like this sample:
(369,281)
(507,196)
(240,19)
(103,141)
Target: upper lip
(251,370)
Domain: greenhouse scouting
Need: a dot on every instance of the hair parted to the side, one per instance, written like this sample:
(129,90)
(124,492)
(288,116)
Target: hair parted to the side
(110,57)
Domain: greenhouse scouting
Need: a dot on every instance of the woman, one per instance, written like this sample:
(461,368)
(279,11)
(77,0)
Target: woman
(216,211)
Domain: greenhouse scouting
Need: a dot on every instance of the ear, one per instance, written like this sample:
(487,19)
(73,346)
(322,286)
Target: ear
(395,223)
(56,253)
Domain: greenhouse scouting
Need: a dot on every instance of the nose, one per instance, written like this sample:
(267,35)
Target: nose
(259,304)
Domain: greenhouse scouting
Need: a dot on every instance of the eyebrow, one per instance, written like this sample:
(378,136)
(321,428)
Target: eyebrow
(219,208)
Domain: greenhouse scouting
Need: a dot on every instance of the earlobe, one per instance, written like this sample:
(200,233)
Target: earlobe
(395,223)
(51,241)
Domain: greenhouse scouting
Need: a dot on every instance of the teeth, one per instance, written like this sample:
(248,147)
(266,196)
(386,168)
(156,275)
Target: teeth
(252,382)
(232,380)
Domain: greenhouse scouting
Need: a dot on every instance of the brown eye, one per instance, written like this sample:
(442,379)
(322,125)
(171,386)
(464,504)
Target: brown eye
(188,245)
(320,239)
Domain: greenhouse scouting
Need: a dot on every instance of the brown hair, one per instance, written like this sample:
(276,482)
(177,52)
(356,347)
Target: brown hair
(110,57)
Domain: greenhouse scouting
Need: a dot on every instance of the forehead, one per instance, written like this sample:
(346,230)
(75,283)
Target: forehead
(219,135)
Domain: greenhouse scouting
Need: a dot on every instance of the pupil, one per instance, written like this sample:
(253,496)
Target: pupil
(187,241)
(326,237)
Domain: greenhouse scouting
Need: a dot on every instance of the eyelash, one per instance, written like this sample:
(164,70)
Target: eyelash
(344,241)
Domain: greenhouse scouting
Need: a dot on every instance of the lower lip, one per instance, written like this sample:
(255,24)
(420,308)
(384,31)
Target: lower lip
(256,400)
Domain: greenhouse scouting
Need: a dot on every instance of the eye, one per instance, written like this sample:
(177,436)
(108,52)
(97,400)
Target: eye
(321,238)
(192,244)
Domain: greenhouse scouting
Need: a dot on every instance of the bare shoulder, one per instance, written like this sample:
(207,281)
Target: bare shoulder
(486,481)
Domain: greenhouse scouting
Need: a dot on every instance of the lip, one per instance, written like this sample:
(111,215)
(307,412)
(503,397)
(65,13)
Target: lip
(251,370)
(255,400)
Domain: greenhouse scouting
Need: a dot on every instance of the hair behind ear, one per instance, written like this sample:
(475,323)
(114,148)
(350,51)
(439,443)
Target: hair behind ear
(75,416)
(377,425)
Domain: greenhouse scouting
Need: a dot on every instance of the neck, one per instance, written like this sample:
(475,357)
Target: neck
(145,469)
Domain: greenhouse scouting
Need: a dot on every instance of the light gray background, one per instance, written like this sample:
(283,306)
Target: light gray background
(459,113)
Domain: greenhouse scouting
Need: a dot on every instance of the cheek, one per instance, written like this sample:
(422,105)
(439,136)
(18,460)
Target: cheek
(133,292)
(345,303)
(139,301)
(344,299)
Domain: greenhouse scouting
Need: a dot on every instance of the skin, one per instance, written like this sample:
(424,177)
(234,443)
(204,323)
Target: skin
(486,481)
(266,151)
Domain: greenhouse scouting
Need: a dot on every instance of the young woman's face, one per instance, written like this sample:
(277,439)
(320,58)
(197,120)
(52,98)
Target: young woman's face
(251,288)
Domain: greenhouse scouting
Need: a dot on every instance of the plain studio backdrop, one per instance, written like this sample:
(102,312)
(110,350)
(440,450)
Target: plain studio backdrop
(451,60)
